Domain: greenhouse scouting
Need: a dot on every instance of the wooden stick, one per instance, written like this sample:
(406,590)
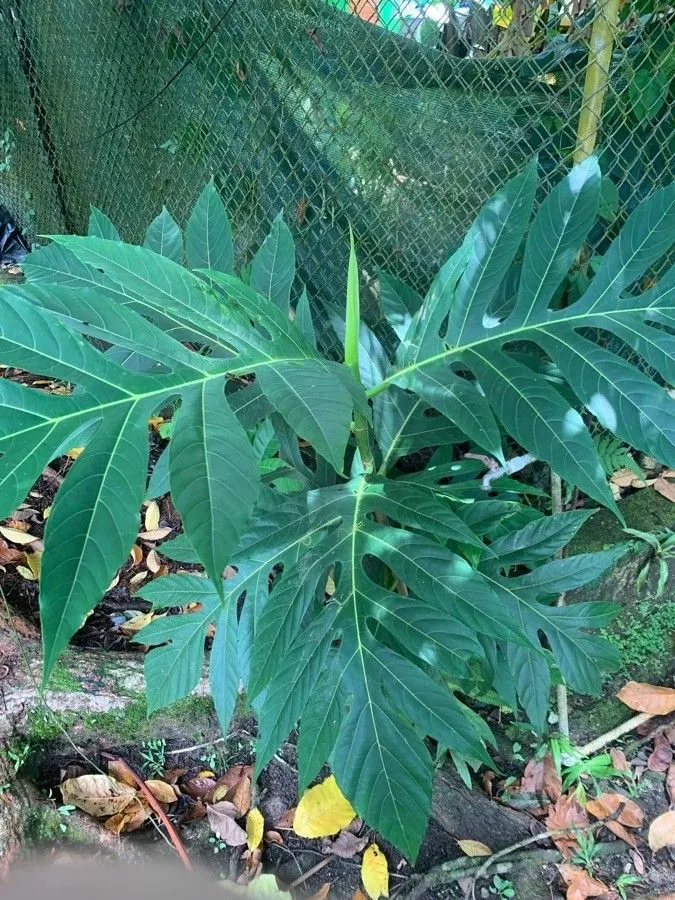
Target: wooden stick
(152,801)
(604,739)
(308,874)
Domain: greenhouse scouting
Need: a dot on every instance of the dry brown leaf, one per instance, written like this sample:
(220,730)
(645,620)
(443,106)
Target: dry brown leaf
(346,845)
(152,562)
(161,791)
(136,555)
(10,554)
(273,837)
(138,577)
(285,823)
(474,848)
(195,811)
(623,478)
(541,777)
(151,518)
(665,488)
(648,698)
(157,534)
(241,795)
(619,760)
(98,795)
(661,756)
(606,805)
(198,788)
(120,772)
(638,862)
(359,895)
(670,783)
(566,813)
(579,883)
(221,819)
(135,623)
(622,833)
(662,831)
(323,892)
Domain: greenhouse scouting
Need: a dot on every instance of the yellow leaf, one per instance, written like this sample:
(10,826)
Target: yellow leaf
(98,795)
(474,848)
(46,511)
(135,623)
(501,15)
(16,536)
(161,791)
(75,452)
(25,572)
(322,811)
(255,827)
(34,561)
(152,516)
(375,873)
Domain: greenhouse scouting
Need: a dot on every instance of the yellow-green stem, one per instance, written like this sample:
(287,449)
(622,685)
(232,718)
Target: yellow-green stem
(597,77)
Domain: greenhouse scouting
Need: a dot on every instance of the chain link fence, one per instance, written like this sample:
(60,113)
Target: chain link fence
(399,117)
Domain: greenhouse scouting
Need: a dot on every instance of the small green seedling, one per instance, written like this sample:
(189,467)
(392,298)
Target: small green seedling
(663,549)
(64,811)
(624,881)
(152,754)
(502,888)
(588,852)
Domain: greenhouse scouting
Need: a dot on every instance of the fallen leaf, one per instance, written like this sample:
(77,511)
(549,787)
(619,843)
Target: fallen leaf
(358,895)
(662,831)
(375,872)
(619,761)
(648,698)
(151,518)
(566,813)
(670,783)
(156,534)
(322,811)
(638,861)
(252,866)
(579,883)
(623,478)
(195,811)
(346,845)
(98,795)
(285,823)
(665,488)
(26,573)
(152,562)
(323,892)
(161,791)
(606,805)
(474,848)
(241,795)
(273,837)
(74,453)
(541,777)
(198,788)
(136,554)
(221,819)
(255,827)
(46,512)
(661,756)
(10,554)
(135,623)
(34,561)
(138,577)
(16,536)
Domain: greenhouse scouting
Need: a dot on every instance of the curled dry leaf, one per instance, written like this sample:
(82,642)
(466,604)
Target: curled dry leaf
(662,831)
(579,883)
(606,805)
(156,534)
(273,837)
(255,827)
(98,795)
(638,861)
(161,791)
(152,562)
(375,873)
(670,783)
(9,555)
(285,823)
(566,813)
(661,756)
(136,555)
(648,698)
(346,845)
(619,761)
(198,788)
(665,488)
(474,848)
(541,777)
(120,772)
(241,795)
(135,623)
(322,811)
(221,819)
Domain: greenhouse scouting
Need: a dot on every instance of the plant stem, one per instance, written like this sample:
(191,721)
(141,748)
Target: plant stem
(561,689)
(352,326)
(597,77)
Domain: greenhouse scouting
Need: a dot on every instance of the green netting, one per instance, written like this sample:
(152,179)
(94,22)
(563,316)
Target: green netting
(399,117)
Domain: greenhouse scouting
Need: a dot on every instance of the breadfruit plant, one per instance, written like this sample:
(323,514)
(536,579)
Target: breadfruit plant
(364,597)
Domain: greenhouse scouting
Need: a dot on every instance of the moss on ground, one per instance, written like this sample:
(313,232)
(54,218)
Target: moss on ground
(644,635)
(645,510)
